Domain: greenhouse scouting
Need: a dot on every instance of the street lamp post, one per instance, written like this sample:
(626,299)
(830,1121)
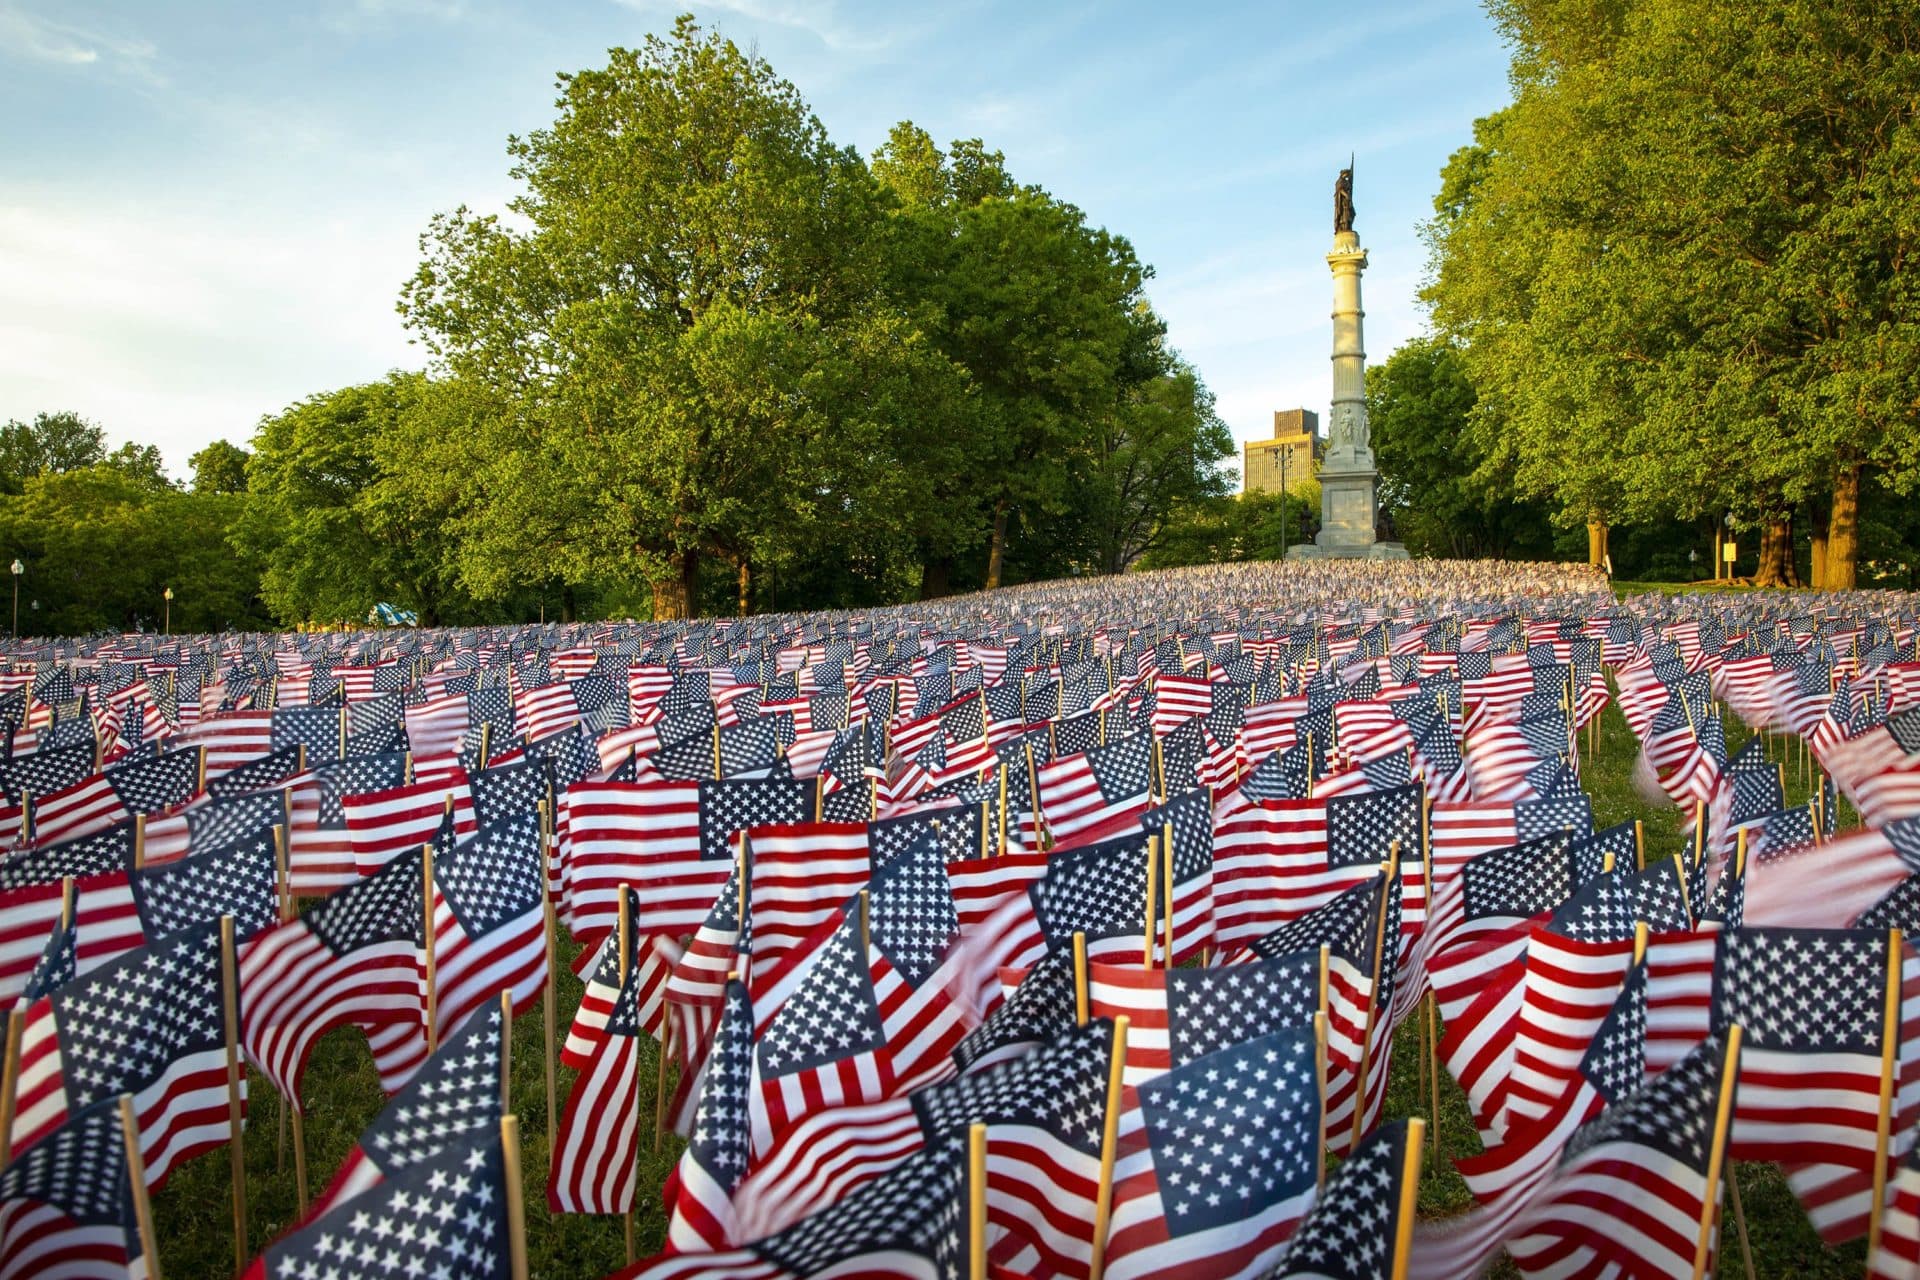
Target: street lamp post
(167,625)
(18,569)
(1285,453)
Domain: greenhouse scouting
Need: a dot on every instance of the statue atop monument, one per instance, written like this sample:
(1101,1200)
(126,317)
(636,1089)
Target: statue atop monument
(1343,200)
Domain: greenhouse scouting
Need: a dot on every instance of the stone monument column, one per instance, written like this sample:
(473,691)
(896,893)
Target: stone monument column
(1349,483)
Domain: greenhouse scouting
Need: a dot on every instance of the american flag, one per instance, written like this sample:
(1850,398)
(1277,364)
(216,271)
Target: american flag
(66,1204)
(240,879)
(1045,1111)
(676,841)
(452,1100)
(909,1224)
(119,793)
(849,1028)
(700,1197)
(1812,1004)
(595,1147)
(1185,827)
(354,958)
(1252,1105)
(444,1215)
(319,853)
(1357,1222)
(382,824)
(257,773)
(1637,1182)
(150,1024)
(1097,789)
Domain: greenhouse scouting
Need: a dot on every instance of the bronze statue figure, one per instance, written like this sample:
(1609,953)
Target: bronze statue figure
(1343,199)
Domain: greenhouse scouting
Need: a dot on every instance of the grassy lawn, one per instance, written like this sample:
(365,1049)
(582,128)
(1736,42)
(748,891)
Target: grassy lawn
(195,1222)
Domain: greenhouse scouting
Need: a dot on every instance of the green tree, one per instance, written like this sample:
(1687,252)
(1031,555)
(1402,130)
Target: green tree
(52,442)
(335,532)
(1435,485)
(1680,264)
(695,248)
(221,467)
(65,525)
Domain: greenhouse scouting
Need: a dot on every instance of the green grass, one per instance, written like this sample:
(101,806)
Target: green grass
(194,1218)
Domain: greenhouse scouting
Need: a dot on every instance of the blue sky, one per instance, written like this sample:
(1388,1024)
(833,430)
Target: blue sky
(206,210)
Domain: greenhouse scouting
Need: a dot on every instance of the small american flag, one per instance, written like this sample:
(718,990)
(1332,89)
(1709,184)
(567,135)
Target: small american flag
(66,1204)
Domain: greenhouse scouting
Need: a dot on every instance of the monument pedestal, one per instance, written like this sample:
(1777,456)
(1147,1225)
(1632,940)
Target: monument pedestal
(1349,514)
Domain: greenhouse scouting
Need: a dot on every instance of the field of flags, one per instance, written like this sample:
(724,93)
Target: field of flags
(1058,932)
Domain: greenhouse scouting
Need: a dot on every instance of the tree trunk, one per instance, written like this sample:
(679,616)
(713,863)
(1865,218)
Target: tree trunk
(996,554)
(1843,530)
(1775,568)
(569,607)
(673,597)
(1596,541)
(936,578)
(746,587)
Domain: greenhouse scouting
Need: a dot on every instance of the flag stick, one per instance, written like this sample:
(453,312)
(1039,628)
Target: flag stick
(516,1202)
(977,1202)
(1717,1153)
(1680,873)
(1889,1054)
(1409,1197)
(299,1154)
(1373,996)
(1109,1141)
(1320,1086)
(139,840)
(236,1134)
(1639,941)
(10,1083)
(1433,1070)
(1153,899)
(1166,876)
(1740,1218)
(426,898)
(660,1084)
(549,992)
(506,1051)
(1079,978)
(137,1177)
(1001,840)
(1639,844)
(623,942)
(283,897)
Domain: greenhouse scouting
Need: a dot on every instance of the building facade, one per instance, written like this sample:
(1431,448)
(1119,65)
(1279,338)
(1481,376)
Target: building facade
(1268,466)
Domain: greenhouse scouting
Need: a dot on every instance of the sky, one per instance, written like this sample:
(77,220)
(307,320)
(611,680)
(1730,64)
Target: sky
(207,210)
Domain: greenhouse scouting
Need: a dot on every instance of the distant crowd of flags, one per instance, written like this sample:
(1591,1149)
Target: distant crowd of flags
(1059,932)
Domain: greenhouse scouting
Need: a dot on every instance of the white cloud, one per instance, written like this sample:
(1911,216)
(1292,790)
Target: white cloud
(35,38)
(175,327)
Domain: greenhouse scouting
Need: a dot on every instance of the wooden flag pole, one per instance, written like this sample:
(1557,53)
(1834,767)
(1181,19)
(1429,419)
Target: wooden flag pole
(1409,1197)
(236,1133)
(1680,873)
(1889,1062)
(1740,1218)
(1153,901)
(137,1177)
(10,1083)
(299,1154)
(426,897)
(139,840)
(1166,878)
(506,1051)
(516,1202)
(623,942)
(549,990)
(1000,842)
(1639,844)
(1716,1154)
(1373,996)
(1080,993)
(977,1202)
(1109,1142)
(283,897)
(1320,1089)
(1433,1070)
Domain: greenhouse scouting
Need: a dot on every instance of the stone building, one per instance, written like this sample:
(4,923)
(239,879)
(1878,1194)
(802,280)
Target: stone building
(1296,440)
